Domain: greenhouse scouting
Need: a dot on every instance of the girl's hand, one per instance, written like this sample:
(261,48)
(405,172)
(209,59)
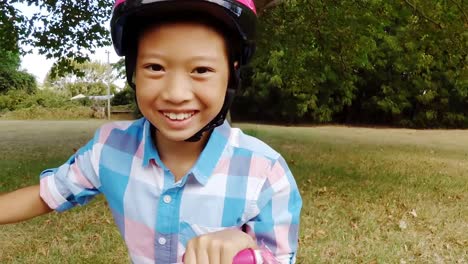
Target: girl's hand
(217,247)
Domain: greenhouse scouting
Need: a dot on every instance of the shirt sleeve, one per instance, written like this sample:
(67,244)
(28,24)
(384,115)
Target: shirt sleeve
(277,224)
(75,182)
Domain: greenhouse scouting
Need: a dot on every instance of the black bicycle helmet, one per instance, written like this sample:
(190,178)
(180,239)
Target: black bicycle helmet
(239,16)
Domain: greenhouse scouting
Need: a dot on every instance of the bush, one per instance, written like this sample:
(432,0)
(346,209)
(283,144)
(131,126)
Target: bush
(124,97)
(48,104)
(18,99)
(127,97)
(16,80)
(39,112)
(12,99)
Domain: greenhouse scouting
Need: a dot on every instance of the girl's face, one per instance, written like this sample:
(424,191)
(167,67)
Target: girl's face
(181,78)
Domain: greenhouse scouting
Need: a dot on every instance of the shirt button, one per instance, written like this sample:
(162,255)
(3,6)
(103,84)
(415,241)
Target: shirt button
(162,241)
(167,199)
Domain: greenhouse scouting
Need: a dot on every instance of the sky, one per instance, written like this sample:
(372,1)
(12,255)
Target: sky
(38,65)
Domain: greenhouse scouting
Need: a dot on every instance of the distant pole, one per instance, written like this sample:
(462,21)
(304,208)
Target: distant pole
(108,89)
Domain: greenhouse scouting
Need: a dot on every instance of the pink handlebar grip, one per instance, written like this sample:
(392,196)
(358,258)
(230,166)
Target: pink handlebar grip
(246,256)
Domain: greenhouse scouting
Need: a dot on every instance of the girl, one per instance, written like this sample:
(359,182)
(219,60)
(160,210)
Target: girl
(180,180)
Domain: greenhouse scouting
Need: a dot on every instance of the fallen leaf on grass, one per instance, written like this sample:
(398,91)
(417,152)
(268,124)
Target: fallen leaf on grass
(306,237)
(322,190)
(43,251)
(432,229)
(438,259)
(320,233)
(413,213)
(331,251)
(402,224)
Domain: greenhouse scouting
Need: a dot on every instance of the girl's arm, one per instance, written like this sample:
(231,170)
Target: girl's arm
(21,205)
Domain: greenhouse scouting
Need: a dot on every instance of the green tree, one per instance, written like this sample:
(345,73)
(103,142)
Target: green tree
(13,25)
(63,29)
(401,63)
(419,73)
(93,80)
(397,63)
(308,53)
(11,78)
(124,97)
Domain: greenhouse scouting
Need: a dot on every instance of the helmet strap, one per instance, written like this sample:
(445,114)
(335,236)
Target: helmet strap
(219,119)
(130,64)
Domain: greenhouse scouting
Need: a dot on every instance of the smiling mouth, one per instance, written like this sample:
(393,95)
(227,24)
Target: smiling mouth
(178,116)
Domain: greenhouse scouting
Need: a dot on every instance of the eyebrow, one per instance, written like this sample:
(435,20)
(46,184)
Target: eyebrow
(156,55)
(152,55)
(204,58)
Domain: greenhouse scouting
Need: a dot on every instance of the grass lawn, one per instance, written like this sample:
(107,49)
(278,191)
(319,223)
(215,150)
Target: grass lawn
(370,195)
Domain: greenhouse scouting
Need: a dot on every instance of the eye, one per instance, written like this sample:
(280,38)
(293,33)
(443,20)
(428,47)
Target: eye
(202,70)
(155,67)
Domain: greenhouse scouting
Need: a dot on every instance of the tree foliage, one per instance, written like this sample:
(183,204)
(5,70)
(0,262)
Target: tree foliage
(93,80)
(12,25)
(399,63)
(62,29)
(11,77)
(125,97)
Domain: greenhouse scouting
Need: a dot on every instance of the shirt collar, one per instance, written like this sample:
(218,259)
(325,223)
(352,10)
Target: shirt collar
(150,151)
(208,159)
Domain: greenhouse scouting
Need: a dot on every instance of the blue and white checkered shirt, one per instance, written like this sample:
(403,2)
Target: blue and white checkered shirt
(237,182)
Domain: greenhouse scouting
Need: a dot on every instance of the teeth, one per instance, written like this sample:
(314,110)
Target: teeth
(181,116)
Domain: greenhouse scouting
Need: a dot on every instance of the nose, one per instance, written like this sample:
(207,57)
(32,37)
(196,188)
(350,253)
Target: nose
(178,88)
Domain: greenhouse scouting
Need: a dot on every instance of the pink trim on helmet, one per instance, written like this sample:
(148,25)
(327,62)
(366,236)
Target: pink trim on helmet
(118,2)
(249,3)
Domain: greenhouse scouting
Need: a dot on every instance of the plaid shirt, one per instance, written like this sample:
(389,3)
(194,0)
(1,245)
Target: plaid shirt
(237,182)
